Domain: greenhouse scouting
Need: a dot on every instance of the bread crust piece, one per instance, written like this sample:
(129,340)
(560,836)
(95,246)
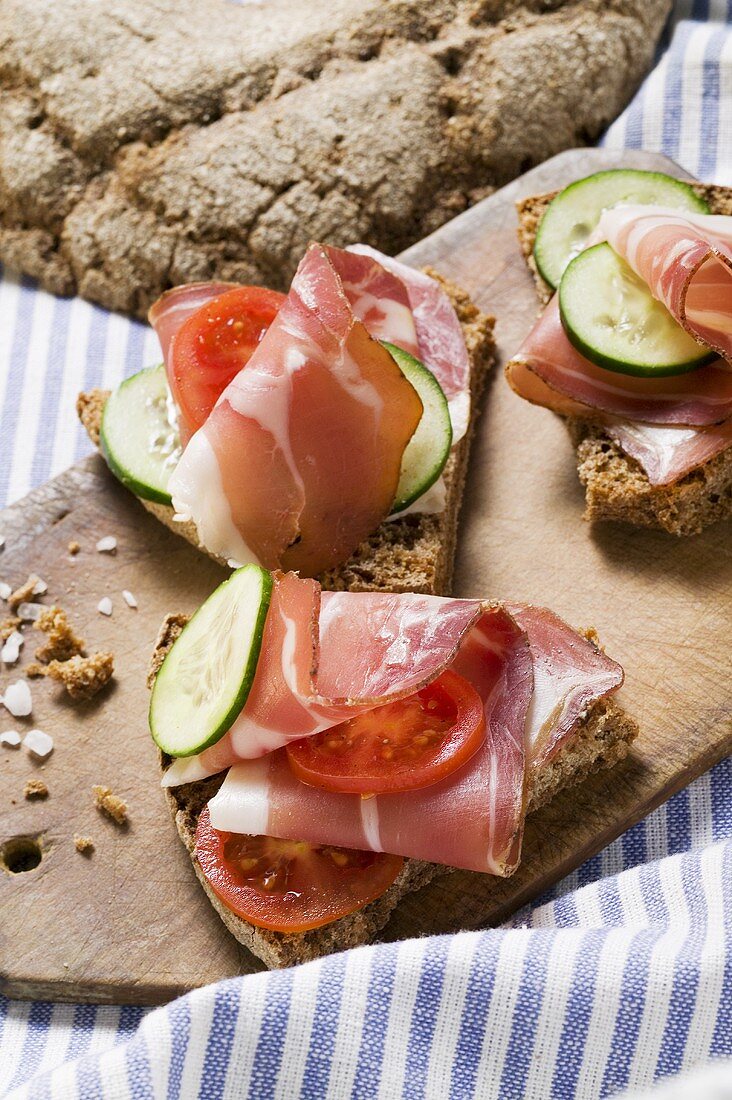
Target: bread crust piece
(601,739)
(616,486)
(413,554)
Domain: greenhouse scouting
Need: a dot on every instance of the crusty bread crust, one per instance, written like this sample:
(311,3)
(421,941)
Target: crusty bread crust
(616,486)
(413,554)
(601,739)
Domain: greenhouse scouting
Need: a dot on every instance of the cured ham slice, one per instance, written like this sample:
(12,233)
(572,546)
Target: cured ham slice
(440,338)
(395,302)
(300,458)
(570,674)
(328,656)
(668,454)
(535,675)
(686,261)
(168,313)
(471,819)
(378,298)
(548,370)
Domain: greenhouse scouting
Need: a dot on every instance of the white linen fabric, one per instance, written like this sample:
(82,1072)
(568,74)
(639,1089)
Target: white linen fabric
(620,977)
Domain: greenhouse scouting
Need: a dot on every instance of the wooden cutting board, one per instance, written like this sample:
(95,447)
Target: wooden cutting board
(130,924)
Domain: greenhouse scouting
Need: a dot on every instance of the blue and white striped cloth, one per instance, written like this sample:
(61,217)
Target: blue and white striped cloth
(618,978)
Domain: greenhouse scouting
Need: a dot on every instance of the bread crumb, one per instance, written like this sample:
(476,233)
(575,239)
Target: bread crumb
(83,677)
(24,593)
(62,643)
(35,788)
(83,844)
(110,804)
(8,627)
(34,670)
(74,549)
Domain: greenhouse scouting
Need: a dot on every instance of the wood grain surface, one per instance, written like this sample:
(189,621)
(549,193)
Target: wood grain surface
(130,924)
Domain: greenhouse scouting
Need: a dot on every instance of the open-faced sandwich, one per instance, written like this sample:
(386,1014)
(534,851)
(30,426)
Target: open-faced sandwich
(327,752)
(325,431)
(634,347)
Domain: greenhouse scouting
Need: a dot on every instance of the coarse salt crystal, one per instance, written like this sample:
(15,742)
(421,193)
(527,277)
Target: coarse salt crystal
(2,541)
(129,598)
(11,738)
(107,545)
(5,590)
(39,743)
(104,607)
(11,650)
(40,587)
(30,612)
(17,699)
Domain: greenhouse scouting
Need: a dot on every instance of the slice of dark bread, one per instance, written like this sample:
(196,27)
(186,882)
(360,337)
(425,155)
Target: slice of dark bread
(412,554)
(600,740)
(616,486)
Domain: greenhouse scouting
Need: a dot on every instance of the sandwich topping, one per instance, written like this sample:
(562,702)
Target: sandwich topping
(304,420)
(383,723)
(638,337)
(299,460)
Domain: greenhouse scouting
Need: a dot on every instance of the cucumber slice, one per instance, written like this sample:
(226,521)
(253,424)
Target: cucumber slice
(138,438)
(205,679)
(427,451)
(573,214)
(610,315)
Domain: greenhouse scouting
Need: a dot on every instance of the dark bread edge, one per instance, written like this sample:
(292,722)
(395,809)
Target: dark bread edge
(616,486)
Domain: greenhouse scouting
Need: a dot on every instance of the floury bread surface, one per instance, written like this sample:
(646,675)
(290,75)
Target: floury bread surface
(144,145)
(616,486)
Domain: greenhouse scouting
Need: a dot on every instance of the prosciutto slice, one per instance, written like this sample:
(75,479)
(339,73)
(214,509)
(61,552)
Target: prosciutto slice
(668,454)
(327,656)
(169,312)
(471,819)
(299,460)
(569,675)
(536,677)
(548,370)
(440,338)
(686,261)
(378,298)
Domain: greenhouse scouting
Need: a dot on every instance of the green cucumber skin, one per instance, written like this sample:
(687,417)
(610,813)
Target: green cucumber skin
(695,204)
(408,364)
(618,366)
(247,677)
(139,488)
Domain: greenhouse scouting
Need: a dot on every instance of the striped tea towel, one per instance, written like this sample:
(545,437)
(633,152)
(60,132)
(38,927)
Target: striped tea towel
(618,978)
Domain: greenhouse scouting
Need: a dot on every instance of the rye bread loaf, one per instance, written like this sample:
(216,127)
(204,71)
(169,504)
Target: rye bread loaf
(600,740)
(616,486)
(412,554)
(148,144)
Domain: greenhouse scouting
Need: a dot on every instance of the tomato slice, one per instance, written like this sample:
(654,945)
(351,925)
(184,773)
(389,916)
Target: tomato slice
(401,746)
(288,885)
(213,344)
